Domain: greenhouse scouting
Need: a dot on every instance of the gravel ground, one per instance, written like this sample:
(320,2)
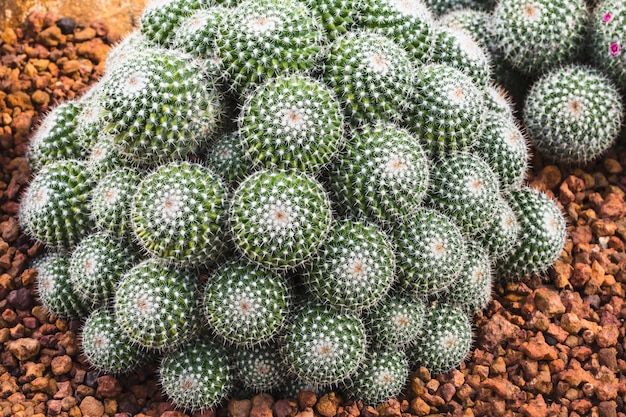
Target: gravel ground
(551,347)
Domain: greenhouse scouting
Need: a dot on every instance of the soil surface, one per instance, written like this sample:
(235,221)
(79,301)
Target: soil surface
(550,346)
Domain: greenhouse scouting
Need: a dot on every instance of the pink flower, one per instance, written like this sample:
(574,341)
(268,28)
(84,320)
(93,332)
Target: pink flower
(615,49)
(606,17)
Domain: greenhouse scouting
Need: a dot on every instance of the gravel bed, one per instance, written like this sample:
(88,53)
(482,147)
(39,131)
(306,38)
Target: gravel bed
(543,347)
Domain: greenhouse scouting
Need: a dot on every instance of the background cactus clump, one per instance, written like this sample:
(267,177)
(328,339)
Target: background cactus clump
(573,114)
(608,39)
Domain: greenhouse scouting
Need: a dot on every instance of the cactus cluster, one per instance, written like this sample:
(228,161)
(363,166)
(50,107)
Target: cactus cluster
(284,195)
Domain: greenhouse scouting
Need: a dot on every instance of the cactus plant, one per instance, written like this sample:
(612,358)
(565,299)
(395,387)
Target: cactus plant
(395,321)
(501,233)
(245,304)
(260,368)
(157,305)
(608,39)
(196,376)
(161,17)
(55,207)
(280,218)
(573,114)
(227,158)
(107,348)
(178,214)
(442,7)
(291,122)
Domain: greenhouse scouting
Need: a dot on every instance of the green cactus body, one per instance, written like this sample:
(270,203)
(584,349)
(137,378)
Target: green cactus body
(471,290)
(408,22)
(96,264)
(197,376)
(608,39)
(246,304)
(90,120)
(573,114)
(55,207)
(337,16)
(179,214)
(55,289)
(354,268)
(465,188)
(279,219)
(292,122)
(55,139)
(541,237)
(160,105)
(107,348)
(429,246)
(268,38)
(132,43)
(103,157)
(448,110)
(382,376)
(323,345)
(445,340)
(157,305)
(474,22)
(110,202)
(504,147)
(537,35)
(293,385)
(498,100)
(502,231)
(458,49)
(260,368)
(396,321)
(227,158)
(160,18)
(441,7)
(383,174)
(371,75)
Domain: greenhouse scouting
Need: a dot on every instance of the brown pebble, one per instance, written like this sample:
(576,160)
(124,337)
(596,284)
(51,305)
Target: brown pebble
(607,409)
(369,411)
(40,97)
(285,408)
(24,348)
(90,406)
(306,399)
(612,166)
(495,331)
(51,36)
(8,36)
(61,365)
(327,405)
(307,412)
(262,405)
(108,387)
(548,302)
(607,336)
(537,348)
(501,387)
(420,407)
(85,34)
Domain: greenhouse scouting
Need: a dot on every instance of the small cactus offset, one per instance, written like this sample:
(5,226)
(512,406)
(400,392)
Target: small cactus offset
(107,348)
(573,114)
(395,321)
(260,368)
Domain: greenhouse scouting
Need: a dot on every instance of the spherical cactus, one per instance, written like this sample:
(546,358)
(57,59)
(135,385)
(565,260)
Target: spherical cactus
(110,202)
(442,7)
(161,17)
(158,306)
(608,39)
(337,16)
(445,340)
(55,207)
(408,22)
(502,231)
(396,321)
(536,35)
(541,237)
(55,289)
(160,105)
(430,247)
(279,219)
(354,268)
(55,139)
(498,100)
(291,122)
(179,214)
(103,157)
(267,38)
(457,49)
(107,348)
(573,114)
(448,109)
(471,290)
(227,158)
(323,345)
(465,188)
(132,43)
(260,368)
(382,174)
(197,376)
(96,264)
(474,22)
(371,75)
(504,147)
(244,303)
(381,376)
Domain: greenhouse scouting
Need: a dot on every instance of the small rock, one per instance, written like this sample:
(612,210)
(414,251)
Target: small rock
(607,336)
(496,330)
(607,409)
(581,275)
(581,406)
(306,399)
(239,408)
(9,36)
(612,207)
(581,235)
(535,408)
(285,408)
(21,299)
(447,390)
(67,25)
(108,387)
(21,100)
(536,348)
(419,407)
(70,67)
(52,36)
(548,302)
(85,35)
(24,349)
(608,358)
(612,166)
(501,387)
(40,97)
(369,411)
(307,412)
(10,230)
(327,405)
(61,365)
(21,124)
(94,50)
(262,405)
(89,406)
